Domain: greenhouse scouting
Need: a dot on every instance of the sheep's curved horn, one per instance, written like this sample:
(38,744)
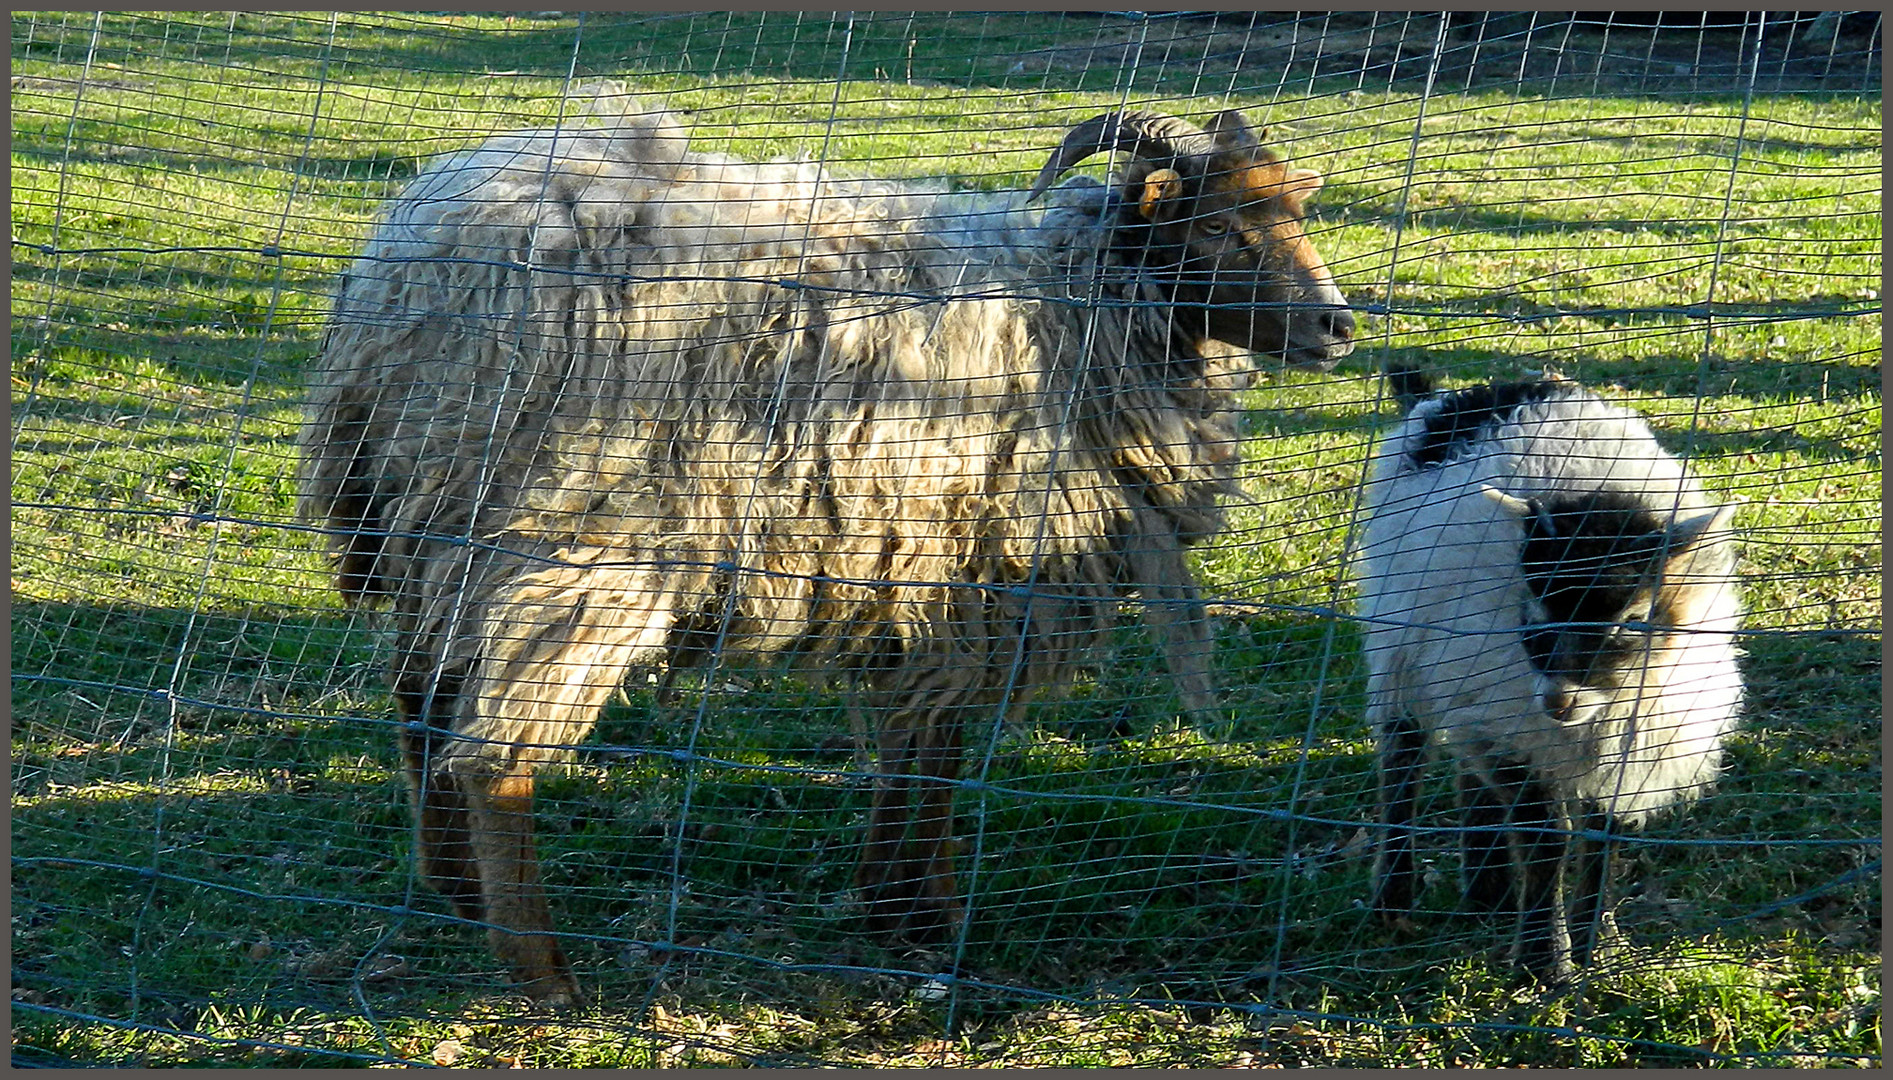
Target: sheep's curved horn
(1150,136)
(1231,131)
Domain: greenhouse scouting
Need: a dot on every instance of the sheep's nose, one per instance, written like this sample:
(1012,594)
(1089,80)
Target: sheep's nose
(1338,324)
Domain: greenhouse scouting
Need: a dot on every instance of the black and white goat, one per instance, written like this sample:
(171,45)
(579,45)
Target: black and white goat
(1549,597)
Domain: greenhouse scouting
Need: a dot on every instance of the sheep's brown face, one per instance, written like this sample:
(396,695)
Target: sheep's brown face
(1224,218)
(1244,266)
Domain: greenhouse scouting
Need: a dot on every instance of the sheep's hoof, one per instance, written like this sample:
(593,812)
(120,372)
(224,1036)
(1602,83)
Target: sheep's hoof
(1392,903)
(921,926)
(1560,978)
(1482,897)
(554,993)
(540,970)
(1604,942)
(897,913)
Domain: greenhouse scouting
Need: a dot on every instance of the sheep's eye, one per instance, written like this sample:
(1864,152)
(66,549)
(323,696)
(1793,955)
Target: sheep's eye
(1214,226)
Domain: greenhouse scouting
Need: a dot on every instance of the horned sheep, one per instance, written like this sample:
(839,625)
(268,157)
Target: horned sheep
(1549,596)
(591,401)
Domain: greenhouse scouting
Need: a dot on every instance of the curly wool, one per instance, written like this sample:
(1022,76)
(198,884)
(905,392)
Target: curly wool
(589,402)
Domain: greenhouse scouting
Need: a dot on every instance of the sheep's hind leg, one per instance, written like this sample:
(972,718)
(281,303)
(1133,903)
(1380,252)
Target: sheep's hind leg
(519,922)
(1402,752)
(906,873)
(552,647)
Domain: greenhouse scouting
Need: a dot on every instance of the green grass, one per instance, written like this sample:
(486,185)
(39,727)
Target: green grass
(190,697)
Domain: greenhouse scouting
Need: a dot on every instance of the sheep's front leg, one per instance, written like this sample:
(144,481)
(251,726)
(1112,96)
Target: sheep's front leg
(427,697)
(906,873)
(442,843)
(1540,850)
(1402,752)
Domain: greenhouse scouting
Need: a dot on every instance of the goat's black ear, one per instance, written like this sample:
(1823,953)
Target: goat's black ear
(1542,517)
(1409,386)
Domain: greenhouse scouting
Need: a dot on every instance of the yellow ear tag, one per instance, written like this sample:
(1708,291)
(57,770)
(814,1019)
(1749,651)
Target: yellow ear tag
(1159,185)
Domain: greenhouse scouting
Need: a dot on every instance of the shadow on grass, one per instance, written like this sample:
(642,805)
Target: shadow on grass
(703,849)
(1681,377)
(189,294)
(287,821)
(90,141)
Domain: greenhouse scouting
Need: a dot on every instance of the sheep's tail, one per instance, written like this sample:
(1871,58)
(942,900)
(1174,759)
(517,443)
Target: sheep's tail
(359,433)
(335,493)
(649,133)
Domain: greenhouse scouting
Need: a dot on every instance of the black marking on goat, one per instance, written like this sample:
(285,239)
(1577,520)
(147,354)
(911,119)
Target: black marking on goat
(1408,386)
(1587,559)
(1460,417)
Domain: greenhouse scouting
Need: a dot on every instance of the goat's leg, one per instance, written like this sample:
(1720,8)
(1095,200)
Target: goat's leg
(1591,922)
(906,873)
(1485,854)
(1402,752)
(1540,851)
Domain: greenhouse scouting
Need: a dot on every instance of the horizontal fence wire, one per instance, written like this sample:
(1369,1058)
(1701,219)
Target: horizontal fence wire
(654,539)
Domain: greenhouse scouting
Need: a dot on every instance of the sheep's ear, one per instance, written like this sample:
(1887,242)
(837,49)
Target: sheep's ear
(1160,185)
(1229,129)
(1685,535)
(1301,183)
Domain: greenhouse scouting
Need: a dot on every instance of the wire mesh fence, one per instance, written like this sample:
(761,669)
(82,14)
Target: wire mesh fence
(912,622)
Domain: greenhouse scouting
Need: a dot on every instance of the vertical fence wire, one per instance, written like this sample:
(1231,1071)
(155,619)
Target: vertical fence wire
(1135,884)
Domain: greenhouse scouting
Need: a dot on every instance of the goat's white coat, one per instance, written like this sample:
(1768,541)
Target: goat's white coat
(1442,594)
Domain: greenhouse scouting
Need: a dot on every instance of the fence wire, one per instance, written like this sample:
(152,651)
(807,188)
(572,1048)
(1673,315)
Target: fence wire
(214,852)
